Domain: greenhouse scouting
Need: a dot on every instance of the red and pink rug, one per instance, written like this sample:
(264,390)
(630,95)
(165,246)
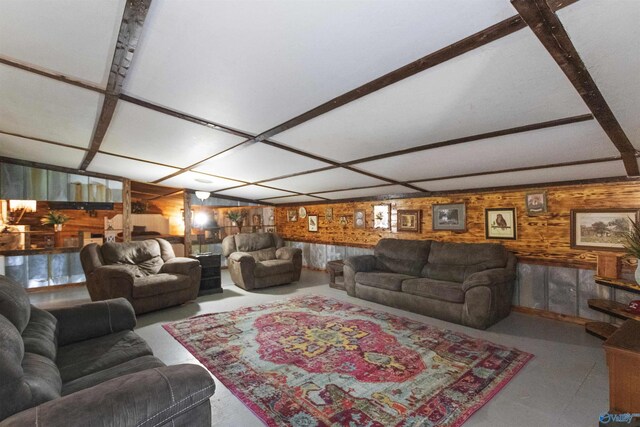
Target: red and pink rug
(315,361)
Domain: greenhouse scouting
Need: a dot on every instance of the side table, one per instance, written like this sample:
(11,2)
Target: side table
(210,282)
(336,269)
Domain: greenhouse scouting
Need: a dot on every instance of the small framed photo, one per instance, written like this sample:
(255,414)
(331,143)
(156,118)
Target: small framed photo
(536,202)
(270,229)
(409,220)
(500,223)
(292,215)
(382,216)
(313,222)
(328,214)
(451,217)
(601,229)
(359,218)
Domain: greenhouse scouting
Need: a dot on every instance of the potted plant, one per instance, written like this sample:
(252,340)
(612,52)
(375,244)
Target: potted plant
(55,218)
(237,217)
(633,244)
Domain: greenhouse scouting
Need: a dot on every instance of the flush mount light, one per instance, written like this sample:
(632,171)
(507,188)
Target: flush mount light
(203,195)
(203,180)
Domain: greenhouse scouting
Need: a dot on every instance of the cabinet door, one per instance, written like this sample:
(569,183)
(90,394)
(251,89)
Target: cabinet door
(11,181)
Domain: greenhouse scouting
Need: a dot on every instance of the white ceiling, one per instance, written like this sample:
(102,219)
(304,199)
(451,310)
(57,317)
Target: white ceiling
(251,65)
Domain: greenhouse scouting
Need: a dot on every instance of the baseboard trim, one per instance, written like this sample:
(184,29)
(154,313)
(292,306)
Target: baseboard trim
(550,315)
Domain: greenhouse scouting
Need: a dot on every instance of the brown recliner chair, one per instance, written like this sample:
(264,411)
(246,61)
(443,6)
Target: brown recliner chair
(146,273)
(260,260)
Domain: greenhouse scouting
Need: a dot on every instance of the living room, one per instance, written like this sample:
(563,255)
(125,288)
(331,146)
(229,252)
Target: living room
(359,213)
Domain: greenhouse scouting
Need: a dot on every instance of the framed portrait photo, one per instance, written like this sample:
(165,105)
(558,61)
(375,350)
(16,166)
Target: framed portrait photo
(409,220)
(292,215)
(451,217)
(500,223)
(601,229)
(313,222)
(536,202)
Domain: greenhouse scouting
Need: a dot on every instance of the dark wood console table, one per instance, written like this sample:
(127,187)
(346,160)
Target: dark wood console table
(210,281)
(602,329)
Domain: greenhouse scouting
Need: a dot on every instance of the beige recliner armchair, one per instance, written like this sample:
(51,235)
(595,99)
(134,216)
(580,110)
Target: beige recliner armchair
(260,260)
(147,273)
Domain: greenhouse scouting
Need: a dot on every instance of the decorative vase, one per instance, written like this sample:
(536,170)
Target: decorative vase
(638,272)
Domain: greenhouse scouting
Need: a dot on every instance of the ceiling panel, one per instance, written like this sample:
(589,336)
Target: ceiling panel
(606,35)
(253,64)
(539,176)
(334,179)
(148,135)
(257,162)
(198,181)
(579,141)
(510,82)
(132,169)
(367,192)
(75,38)
(40,107)
(40,152)
(294,199)
(254,192)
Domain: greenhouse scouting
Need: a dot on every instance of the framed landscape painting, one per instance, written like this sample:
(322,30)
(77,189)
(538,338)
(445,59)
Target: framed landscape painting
(500,223)
(409,220)
(601,229)
(449,217)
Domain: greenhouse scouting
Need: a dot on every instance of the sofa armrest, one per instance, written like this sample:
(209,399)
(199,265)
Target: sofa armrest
(147,398)
(111,281)
(287,252)
(492,277)
(95,319)
(242,257)
(353,265)
(180,265)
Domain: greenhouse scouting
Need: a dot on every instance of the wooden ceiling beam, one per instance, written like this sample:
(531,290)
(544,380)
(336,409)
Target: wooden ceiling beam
(135,12)
(546,25)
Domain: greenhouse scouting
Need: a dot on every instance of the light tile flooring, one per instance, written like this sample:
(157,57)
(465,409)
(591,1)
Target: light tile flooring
(565,384)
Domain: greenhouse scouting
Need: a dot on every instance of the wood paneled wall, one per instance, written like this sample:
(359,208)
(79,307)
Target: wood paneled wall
(544,238)
(170,207)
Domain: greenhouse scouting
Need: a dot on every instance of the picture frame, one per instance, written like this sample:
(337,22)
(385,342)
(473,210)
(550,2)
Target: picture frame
(450,216)
(382,217)
(328,214)
(359,218)
(409,220)
(601,229)
(536,202)
(312,222)
(292,215)
(500,223)
(270,229)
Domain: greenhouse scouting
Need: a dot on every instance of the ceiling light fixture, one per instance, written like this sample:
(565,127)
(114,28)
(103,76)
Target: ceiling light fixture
(203,195)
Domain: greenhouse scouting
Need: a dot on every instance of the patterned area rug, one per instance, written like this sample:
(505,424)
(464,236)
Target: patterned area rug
(314,361)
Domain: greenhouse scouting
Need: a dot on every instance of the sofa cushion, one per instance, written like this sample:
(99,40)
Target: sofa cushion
(434,289)
(250,242)
(129,367)
(158,284)
(86,357)
(273,267)
(40,334)
(14,391)
(42,376)
(264,254)
(454,262)
(145,256)
(382,279)
(402,256)
(14,303)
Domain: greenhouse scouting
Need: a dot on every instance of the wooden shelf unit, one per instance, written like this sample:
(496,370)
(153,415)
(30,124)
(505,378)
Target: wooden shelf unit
(602,329)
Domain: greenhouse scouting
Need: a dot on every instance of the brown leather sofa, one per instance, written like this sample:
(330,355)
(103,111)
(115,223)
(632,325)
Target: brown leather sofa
(146,273)
(84,366)
(466,283)
(260,260)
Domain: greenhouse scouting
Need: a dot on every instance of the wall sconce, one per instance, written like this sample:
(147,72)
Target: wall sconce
(203,195)
(21,206)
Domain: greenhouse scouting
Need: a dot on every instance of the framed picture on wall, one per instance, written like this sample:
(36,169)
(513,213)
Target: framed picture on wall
(292,215)
(313,222)
(409,220)
(359,218)
(601,229)
(328,214)
(500,223)
(382,216)
(451,217)
(536,202)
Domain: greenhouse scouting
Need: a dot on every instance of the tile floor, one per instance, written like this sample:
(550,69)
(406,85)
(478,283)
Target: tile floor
(565,384)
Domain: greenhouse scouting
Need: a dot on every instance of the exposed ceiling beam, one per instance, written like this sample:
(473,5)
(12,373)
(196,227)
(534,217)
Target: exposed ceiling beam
(546,25)
(46,141)
(135,12)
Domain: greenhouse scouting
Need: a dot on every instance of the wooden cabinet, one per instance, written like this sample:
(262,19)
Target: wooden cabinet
(210,281)
(623,358)
(602,329)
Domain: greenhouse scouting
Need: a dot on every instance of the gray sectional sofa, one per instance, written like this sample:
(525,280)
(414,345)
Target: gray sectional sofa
(466,283)
(84,366)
